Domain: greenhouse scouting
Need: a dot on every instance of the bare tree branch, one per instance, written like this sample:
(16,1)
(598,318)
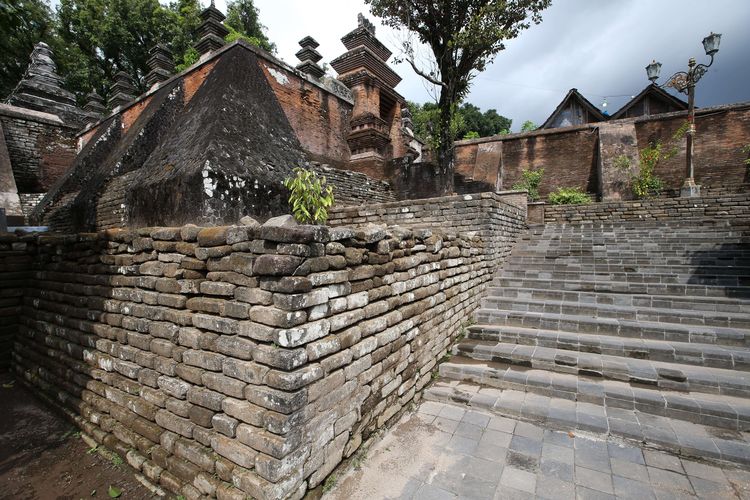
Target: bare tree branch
(424,75)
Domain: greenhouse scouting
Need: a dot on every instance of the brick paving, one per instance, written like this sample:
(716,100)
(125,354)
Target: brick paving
(447,451)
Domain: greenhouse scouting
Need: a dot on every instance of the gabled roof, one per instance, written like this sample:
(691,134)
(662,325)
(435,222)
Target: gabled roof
(653,91)
(573,94)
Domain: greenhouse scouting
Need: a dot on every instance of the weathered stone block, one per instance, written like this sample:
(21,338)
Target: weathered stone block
(276,265)
(225,424)
(250,372)
(235,346)
(273,399)
(234,451)
(205,398)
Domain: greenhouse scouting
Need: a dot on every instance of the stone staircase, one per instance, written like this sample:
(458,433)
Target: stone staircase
(640,330)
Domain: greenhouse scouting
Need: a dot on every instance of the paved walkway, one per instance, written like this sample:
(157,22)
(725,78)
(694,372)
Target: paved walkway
(443,451)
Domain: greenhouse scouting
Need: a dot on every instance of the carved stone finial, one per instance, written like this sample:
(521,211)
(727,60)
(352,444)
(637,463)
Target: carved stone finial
(123,90)
(160,63)
(41,88)
(309,57)
(211,31)
(94,107)
(365,23)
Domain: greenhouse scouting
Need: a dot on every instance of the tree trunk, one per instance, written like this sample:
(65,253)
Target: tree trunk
(445,148)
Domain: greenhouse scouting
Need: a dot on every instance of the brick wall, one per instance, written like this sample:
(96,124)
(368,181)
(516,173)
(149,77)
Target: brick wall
(568,156)
(354,188)
(320,119)
(719,206)
(29,201)
(40,152)
(234,361)
(15,264)
(718,160)
(571,156)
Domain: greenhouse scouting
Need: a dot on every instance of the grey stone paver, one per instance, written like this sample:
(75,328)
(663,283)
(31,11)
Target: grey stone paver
(443,451)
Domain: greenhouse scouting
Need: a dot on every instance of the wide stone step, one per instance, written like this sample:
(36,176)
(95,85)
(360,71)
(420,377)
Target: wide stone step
(721,304)
(631,277)
(595,260)
(639,249)
(685,289)
(670,332)
(664,375)
(736,358)
(680,436)
(646,268)
(721,411)
(738,320)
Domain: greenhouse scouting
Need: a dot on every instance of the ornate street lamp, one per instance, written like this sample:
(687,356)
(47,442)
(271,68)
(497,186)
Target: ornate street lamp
(685,82)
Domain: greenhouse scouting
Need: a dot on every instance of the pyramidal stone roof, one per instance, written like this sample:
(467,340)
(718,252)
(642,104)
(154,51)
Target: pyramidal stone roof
(206,155)
(41,89)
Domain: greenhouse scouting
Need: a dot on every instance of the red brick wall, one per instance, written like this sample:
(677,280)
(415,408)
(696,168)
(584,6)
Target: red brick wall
(320,119)
(718,157)
(568,156)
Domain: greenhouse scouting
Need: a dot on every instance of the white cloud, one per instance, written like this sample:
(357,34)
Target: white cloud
(599,47)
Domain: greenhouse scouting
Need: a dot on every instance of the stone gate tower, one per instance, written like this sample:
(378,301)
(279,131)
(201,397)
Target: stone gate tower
(376,130)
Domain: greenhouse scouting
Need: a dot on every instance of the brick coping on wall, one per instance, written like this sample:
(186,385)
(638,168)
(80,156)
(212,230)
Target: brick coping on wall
(238,360)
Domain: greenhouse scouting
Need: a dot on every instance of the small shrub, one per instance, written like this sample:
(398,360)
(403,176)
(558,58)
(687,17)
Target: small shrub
(622,163)
(310,197)
(646,183)
(530,183)
(746,150)
(569,196)
(472,134)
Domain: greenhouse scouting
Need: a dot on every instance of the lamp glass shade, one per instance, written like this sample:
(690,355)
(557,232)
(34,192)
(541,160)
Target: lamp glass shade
(653,70)
(711,43)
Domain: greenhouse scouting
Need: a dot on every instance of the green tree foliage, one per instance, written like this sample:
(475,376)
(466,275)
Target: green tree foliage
(309,197)
(185,20)
(569,196)
(529,126)
(531,179)
(22,24)
(484,124)
(242,17)
(468,122)
(98,38)
(94,39)
(463,37)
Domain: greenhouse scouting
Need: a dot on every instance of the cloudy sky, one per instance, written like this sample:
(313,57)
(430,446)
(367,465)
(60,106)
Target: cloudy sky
(600,47)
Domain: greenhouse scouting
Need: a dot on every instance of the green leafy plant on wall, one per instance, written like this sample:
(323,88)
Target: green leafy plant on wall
(645,183)
(746,150)
(569,196)
(309,197)
(530,183)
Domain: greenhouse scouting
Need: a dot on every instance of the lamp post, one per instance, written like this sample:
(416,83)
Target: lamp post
(685,82)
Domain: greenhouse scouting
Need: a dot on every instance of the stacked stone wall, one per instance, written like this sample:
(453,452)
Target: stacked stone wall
(718,206)
(234,361)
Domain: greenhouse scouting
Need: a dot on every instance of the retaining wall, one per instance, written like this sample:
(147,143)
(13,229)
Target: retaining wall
(234,361)
(719,206)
